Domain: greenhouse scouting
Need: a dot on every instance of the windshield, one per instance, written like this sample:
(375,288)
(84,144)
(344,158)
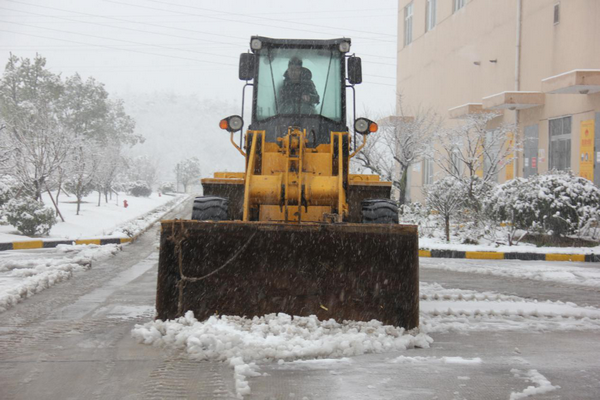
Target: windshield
(299,81)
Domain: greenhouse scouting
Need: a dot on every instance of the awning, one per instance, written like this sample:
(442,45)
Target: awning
(578,81)
(513,100)
(461,112)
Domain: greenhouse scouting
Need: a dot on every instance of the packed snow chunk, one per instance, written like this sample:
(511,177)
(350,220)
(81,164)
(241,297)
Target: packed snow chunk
(460,360)
(543,385)
(275,337)
(442,360)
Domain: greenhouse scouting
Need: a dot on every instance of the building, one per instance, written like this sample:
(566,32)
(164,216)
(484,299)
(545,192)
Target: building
(536,62)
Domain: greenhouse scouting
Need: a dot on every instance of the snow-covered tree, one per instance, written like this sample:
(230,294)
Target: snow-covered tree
(82,169)
(30,106)
(187,171)
(475,153)
(400,142)
(446,197)
(142,168)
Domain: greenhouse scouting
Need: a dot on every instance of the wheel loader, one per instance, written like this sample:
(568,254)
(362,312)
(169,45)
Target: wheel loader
(296,232)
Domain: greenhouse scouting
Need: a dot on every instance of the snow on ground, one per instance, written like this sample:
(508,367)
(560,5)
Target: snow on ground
(307,343)
(23,274)
(440,244)
(542,385)
(444,310)
(110,219)
(243,342)
(563,272)
(22,277)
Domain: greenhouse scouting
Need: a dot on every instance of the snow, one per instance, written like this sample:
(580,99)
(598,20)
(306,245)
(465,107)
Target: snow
(441,360)
(23,274)
(543,384)
(437,244)
(244,342)
(22,277)
(547,271)
(456,310)
(108,220)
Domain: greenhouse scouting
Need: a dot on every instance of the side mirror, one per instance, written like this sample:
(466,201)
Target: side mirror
(354,70)
(247,61)
(365,126)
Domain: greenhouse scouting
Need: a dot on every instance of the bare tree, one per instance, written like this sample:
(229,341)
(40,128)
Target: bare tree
(401,142)
(474,153)
(446,197)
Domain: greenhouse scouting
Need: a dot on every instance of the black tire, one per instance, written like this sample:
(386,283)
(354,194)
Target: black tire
(379,211)
(210,208)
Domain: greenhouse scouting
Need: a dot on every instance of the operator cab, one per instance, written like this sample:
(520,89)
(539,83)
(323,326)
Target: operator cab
(315,69)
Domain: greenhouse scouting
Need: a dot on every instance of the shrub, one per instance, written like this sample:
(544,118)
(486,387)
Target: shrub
(9,187)
(29,216)
(557,203)
(139,189)
(167,187)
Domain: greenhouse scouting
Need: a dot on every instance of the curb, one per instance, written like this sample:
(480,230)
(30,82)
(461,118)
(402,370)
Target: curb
(48,244)
(492,255)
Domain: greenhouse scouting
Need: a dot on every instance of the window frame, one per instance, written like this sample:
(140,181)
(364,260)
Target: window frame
(556,139)
(430,14)
(408,23)
(458,4)
(427,177)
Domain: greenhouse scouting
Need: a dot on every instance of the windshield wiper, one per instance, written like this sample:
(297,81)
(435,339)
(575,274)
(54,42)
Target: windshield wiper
(326,82)
(272,80)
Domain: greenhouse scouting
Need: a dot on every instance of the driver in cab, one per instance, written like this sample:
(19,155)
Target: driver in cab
(298,94)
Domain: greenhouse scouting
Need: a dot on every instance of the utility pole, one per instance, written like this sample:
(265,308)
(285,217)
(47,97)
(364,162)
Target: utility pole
(177,178)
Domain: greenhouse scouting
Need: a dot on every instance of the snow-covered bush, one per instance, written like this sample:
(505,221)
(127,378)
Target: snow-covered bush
(167,187)
(9,187)
(418,214)
(139,189)
(445,197)
(29,216)
(556,203)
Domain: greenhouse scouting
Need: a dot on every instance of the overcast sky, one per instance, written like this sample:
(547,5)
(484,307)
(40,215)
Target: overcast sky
(193,46)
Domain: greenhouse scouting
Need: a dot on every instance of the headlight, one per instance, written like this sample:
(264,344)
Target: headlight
(232,124)
(256,44)
(361,125)
(344,47)
(235,123)
(365,126)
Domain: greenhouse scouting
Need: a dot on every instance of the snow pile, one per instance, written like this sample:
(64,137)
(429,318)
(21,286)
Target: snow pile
(241,341)
(136,226)
(444,310)
(539,271)
(442,360)
(21,278)
(543,384)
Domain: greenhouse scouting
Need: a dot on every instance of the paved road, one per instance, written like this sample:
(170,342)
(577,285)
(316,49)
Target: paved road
(73,342)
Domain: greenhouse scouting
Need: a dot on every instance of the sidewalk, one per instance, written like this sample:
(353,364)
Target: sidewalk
(107,224)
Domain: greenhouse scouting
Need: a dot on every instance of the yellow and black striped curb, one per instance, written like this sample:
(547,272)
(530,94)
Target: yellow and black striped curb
(492,255)
(48,244)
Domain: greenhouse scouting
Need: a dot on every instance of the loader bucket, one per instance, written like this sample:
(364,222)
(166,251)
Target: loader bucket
(341,271)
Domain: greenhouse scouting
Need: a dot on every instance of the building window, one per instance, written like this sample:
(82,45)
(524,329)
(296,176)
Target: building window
(408,18)
(556,13)
(431,14)
(458,4)
(456,163)
(427,171)
(560,143)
